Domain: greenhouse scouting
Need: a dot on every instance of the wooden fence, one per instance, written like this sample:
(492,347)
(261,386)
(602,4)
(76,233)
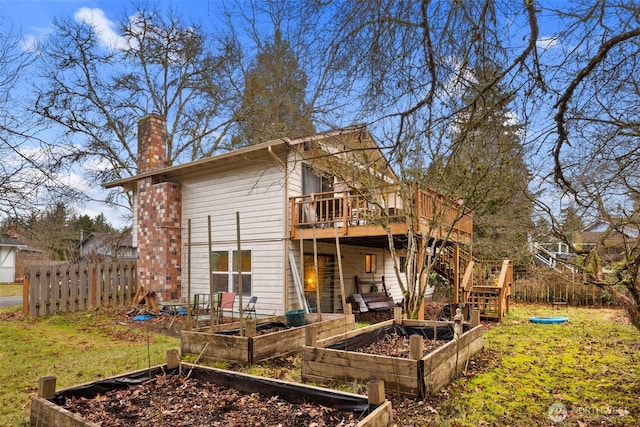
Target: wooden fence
(526,289)
(78,287)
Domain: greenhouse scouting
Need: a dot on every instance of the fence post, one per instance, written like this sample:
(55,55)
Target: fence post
(92,281)
(25,296)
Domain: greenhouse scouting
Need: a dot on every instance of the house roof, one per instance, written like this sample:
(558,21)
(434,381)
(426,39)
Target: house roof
(109,238)
(10,241)
(595,231)
(175,173)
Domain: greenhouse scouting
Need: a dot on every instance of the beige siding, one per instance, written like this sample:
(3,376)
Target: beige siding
(256,191)
(352,265)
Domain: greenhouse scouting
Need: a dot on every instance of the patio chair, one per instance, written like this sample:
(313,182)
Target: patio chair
(227,300)
(201,308)
(250,308)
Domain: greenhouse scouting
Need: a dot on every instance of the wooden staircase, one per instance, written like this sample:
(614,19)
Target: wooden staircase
(484,285)
(487,287)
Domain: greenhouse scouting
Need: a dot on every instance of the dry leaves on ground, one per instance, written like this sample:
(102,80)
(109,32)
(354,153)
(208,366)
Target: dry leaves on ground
(177,401)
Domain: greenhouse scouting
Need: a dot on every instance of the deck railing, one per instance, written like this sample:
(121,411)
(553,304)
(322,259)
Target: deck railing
(487,287)
(435,214)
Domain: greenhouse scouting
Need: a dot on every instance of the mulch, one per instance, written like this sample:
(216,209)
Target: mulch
(197,404)
(174,400)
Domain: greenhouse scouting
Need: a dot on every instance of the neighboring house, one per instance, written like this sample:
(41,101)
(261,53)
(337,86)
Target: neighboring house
(291,205)
(556,255)
(99,247)
(612,242)
(9,247)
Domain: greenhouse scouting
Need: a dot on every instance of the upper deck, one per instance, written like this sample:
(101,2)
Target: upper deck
(316,215)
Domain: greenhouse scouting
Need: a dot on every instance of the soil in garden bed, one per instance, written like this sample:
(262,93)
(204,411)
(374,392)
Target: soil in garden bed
(264,329)
(394,345)
(176,401)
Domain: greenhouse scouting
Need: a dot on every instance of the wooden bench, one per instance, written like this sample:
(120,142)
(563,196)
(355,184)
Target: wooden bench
(377,301)
(372,298)
(371,301)
(558,302)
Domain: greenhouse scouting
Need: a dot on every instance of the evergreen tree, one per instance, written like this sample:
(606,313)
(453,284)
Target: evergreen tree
(273,104)
(485,167)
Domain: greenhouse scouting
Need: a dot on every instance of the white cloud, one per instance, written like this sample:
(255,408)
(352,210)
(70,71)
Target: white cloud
(546,43)
(104,28)
(30,43)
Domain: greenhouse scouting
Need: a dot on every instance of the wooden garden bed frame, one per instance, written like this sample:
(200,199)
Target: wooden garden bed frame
(247,347)
(45,413)
(416,376)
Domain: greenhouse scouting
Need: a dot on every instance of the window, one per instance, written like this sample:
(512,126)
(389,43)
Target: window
(224,269)
(370,263)
(403,264)
(314,181)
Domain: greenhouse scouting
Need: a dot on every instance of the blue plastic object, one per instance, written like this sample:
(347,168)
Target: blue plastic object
(143,317)
(556,319)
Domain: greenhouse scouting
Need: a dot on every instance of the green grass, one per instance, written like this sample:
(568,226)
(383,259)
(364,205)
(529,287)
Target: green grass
(590,365)
(10,290)
(76,348)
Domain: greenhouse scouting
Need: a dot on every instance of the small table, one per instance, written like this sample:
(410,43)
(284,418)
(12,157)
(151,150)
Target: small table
(174,309)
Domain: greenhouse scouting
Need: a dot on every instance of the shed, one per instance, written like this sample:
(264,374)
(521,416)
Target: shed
(8,249)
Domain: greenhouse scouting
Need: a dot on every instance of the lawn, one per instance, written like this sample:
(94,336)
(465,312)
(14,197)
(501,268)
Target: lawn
(76,348)
(587,371)
(10,290)
(587,367)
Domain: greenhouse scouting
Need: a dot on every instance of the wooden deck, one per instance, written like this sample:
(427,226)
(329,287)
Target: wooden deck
(316,215)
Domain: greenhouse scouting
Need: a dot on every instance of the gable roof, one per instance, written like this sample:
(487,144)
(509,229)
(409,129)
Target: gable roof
(594,232)
(108,239)
(10,241)
(353,137)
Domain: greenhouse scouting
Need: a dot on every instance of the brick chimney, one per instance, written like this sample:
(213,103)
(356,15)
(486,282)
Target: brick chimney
(158,215)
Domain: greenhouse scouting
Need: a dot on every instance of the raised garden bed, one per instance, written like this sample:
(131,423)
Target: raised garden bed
(417,375)
(191,395)
(245,342)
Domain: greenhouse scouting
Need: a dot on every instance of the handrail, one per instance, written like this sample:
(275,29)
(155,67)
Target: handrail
(346,209)
(467,279)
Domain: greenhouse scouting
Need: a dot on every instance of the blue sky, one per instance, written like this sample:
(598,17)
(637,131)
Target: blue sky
(33,19)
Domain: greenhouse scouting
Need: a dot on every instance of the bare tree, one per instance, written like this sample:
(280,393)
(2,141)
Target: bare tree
(98,82)
(410,63)
(595,87)
(29,177)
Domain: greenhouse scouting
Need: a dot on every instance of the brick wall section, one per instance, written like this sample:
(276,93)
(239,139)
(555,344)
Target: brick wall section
(159,216)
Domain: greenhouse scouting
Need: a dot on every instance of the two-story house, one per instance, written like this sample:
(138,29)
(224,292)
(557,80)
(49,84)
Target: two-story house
(300,203)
